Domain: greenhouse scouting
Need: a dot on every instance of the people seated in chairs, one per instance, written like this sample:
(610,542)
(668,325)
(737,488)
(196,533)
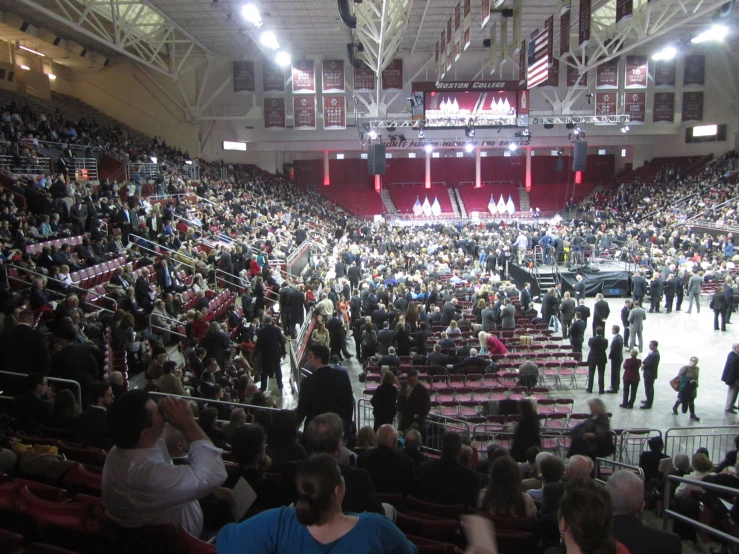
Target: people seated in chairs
(471,364)
(437,359)
(91,424)
(36,403)
(503,496)
(390,359)
(391,471)
(446,481)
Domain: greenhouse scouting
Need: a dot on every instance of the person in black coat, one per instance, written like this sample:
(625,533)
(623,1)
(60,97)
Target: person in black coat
(35,404)
(446,481)
(638,287)
(141,288)
(91,424)
(270,343)
(625,312)
(719,306)
(385,401)
(526,434)
(414,403)
(449,312)
(656,288)
(650,367)
(412,449)
(74,362)
(385,338)
(297,308)
(337,336)
(24,349)
(392,472)
(577,333)
(730,376)
(216,344)
(601,311)
(354,273)
(616,355)
(583,310)
(579,288)
(669,288)
(403,339)
(597,358)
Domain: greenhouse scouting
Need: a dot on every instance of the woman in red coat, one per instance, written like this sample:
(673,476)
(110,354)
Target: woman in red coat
(631,379)
(491,344)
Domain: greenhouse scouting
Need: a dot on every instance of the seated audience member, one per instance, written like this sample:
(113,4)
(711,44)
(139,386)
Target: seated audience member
(528,468)
(536,482)
(117,383)
(552,470)
(36,403)
(66,410)
(412,447)
(282,440)
(649,460)
(91,424)
(627,496)
(170,381)
(208,421)
(390,359)
(702,467)
(731,458)
(503,496)
(391,470)
(472,364)
(446,481)
(366,440)
(236,420)
(140,484)
(248,446)
(318,521)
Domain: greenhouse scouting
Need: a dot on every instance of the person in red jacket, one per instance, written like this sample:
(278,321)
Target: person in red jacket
(631,379)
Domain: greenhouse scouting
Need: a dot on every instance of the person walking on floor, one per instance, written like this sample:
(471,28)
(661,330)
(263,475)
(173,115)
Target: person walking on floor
(636,325)
(631,379)
(616,355)
(597,358)
(730,376)
(688,388)
(694,291)
(650,367)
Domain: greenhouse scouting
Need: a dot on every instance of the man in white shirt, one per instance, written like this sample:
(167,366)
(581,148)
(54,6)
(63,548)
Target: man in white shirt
(141,486)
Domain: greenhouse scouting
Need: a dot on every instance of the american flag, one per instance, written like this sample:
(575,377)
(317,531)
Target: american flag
(436,207)
(491,206)
(538,65)
(417,208)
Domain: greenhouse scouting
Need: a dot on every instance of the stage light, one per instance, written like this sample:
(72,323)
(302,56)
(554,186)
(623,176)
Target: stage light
(715,33)
(31,51)
(251,13)
(526,132)
(52,77)
(421,134)
(269,40)
(512,147)
(625,129)
(469,147)
(372,135)
(25,67)
(569,126)
(283,59)
(577,131)
(667,53)
(428,148)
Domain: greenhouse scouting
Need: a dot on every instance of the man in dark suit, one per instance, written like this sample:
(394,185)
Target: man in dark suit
(577,333)
(616,355)
(655,292)
(141,287)
(650,365)
(271,344)
(392,471)
(339,269)
(583,310)
(627,496)
(579,288)
(597,358)
(449,311)
(390,359)
(437,358)
(91,424)
(24,349)
(730,376)
(601,311)
(472,364)
(74,361)
(413,443)
(36,403)
(670,287)
(354,273)
(525,296)
(625,312)
(385,338)
(638,287)
(567,313)
(327,390)
(300,236)
(337,337)
(488,318)
(414,403)
(297,307)
(446,481)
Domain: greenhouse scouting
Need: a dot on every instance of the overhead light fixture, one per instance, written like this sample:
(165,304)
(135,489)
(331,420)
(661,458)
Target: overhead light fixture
(251,13)
(25,67)
(421,134)
(268,39)
(188,162)
(625,129)
(283,58)
(667,53)
(429,148)
(52,77)
(31,51)
(512,147)
(372,135)
(469,147)
(715,33)
(391,126)
(526,132)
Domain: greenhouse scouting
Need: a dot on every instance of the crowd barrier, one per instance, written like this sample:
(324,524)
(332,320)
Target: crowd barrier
(718,440)
(613,463)
(68,383)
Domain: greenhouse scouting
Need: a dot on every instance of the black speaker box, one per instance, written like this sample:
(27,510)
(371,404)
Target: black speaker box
(579,155)
(376,159)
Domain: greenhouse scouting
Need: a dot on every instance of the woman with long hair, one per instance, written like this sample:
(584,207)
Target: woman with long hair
(402,338)
(385,400)
(526,434)
(411,315)
(491,345)
(503,496)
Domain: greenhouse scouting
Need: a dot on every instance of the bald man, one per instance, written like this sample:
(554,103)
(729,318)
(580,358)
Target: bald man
(627,496)
(579,467)
(390,470)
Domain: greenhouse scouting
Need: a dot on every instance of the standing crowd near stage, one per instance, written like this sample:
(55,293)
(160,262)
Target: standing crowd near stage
(202,270)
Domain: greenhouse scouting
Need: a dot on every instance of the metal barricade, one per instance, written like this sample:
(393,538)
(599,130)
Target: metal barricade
(718,440)
(212,403)
(41,166)
(85,169)
(632,442)
(599,461)
(74,384)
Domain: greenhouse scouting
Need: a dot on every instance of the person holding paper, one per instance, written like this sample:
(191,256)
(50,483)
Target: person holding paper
(317,523)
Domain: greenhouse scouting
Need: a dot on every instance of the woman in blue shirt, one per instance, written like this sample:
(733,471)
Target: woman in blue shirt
(316,525)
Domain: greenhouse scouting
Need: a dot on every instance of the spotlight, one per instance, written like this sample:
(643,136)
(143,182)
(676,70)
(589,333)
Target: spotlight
(549,125)
(251,13)
(667,53)
(27,49)
(512,147)
(625,129)
(283,59)
(570,126)
(469,147)
(391,126)
(269,40)
(715,33)
(428,148)
(25,67)
(366,127)
(372,135)
(52,77)
(526,132)
(421,134)
(577,131)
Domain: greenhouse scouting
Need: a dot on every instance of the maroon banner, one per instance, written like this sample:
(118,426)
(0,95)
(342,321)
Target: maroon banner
(663,107)
(467,38)
(553,79)
(243,75)
(333,76)
(364,79)
(523,102)
(636,72)
(467,8)
(572,75)
(334,112)
(274,113)
(304,77)
(522,63)
(564,33)
(449,31)
(635,106)
(273,77)
(605,103)
(664,73)
(692,106)
(442,41)
(606,74)
(436,52)
(457,47)
(392,76)
(304,112)
(458,16)
(584,31)
(624,10)
(549,24)
(695,70)
(485,12)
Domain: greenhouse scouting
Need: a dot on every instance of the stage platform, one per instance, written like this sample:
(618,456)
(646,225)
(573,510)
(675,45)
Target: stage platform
(612,279)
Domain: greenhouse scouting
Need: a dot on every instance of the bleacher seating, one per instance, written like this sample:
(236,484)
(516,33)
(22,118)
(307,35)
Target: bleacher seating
(363,202)
(648,173)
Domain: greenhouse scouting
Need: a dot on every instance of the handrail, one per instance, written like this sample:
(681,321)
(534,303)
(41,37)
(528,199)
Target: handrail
(78,387)
(174,252)
(209,401)
(636,469)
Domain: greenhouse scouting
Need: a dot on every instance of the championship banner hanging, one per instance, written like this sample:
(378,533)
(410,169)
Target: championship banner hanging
(333,76)
(243,76)
(553,79)
(467,40)
(635,106)
(334,112)
(605,103)
(449,31)
(485,12)
(692,106)
(624,10)
(457,46)
(458,16)
(467,24)
(304,113)
(392,76)
(606,74)
(273,78)
(663,107)
(584,30)
(636,72)
(364,79)
(304,77)
(664,73)
(274,113)
(522,63)
(564,33)
(695,70)
(572,76)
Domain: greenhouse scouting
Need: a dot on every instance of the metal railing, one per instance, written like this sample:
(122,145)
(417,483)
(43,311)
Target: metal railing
(689,439)
(40,167)
(75,384)
(632,443)
(84,169)
(143,169)
(176,255)
(600,461)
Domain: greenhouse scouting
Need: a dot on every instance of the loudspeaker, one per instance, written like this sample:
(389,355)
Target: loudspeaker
(579,155)
(376,159)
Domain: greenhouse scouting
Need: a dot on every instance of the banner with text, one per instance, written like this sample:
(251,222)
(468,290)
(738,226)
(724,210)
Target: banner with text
(692,106)
(334,112)
(274,113)
(333,76)
(606,74)
(564,33)
(364,79)
(637,70)
(624,10)
(485,12)
(635,106)
(304,112)
(273,78)
(467,24)
(522,63)
(664,73)
(392,76)
(304,77)
(573,74)
(695,70)
(663,107)
(605,103)
(243,75)
(583,37)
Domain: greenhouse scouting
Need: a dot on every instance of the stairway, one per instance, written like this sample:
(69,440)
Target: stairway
(524,201)
(388,202)
(453,200)
(462,207)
